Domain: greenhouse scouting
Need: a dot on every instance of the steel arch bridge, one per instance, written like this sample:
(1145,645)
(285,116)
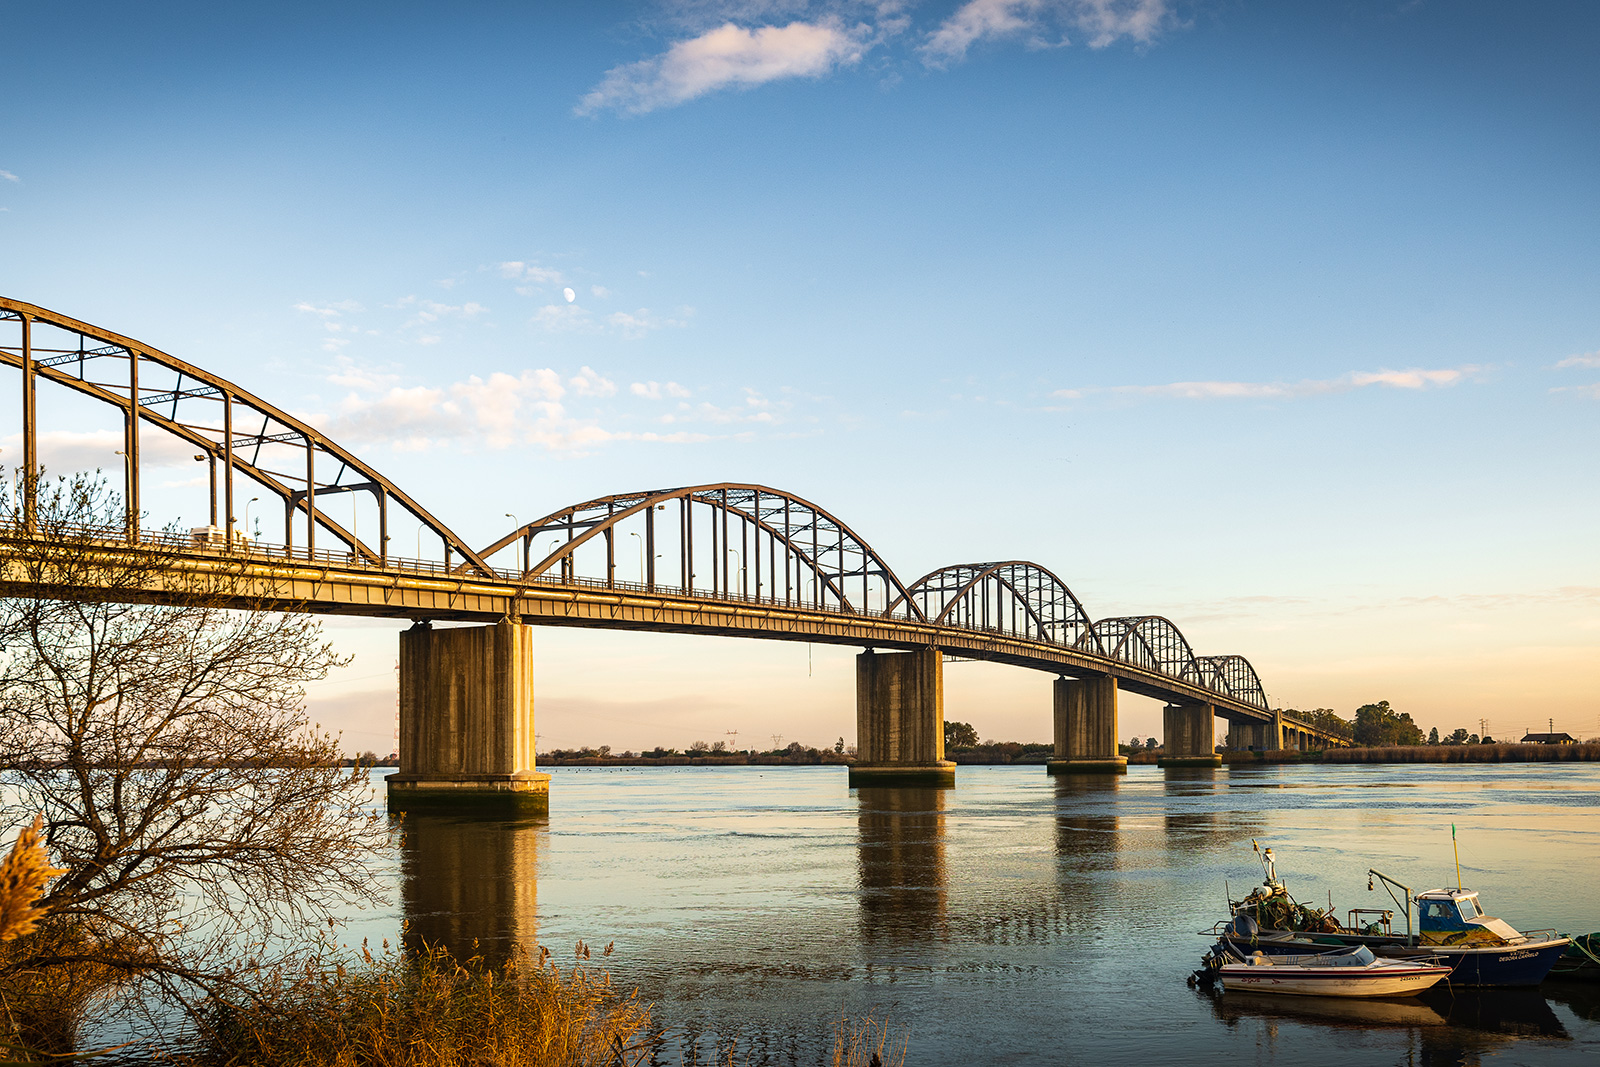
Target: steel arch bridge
(736,559)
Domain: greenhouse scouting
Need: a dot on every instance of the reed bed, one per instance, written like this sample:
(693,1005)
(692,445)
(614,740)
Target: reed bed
(1504,753)
(430,1010)
(867,1042)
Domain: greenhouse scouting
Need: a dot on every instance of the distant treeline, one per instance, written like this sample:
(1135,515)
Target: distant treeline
(699,754)
(1490,753)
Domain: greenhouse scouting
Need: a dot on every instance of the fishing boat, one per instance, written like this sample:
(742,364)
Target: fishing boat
(1480,949)
(1350,972)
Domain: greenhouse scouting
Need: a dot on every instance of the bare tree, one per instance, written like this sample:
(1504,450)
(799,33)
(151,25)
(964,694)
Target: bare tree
(204,824)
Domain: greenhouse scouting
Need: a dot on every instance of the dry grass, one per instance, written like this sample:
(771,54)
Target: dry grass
(432,1011)
(22,877)
(50,980)
(1507,753)
(866,1042)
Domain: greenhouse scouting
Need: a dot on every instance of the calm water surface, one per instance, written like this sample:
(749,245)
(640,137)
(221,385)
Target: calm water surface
(1015,918)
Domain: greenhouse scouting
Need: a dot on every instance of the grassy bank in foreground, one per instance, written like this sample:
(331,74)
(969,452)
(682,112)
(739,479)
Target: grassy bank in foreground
(429,1010)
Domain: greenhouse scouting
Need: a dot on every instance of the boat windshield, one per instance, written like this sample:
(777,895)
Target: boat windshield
(1468,907)
(1364,954)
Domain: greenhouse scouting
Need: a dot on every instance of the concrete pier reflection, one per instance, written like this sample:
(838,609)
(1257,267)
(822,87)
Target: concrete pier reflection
(471,885)
(904,884)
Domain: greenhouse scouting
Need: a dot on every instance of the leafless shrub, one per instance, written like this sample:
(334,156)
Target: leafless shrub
(159,724)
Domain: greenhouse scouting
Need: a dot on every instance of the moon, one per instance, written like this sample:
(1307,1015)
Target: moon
(569,294)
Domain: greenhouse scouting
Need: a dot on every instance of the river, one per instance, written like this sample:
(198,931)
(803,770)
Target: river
(1016,918)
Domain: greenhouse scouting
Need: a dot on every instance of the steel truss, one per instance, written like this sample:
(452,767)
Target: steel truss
(728,540)
(232,428)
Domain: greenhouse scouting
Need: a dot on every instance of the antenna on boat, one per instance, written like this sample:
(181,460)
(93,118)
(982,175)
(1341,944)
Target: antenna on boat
(1457,847)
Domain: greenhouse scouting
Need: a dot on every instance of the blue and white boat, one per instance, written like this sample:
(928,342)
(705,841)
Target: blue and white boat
(1480,949)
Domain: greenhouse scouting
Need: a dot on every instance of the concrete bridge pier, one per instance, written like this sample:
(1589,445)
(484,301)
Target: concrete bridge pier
(1086,727)
(466,721)
(1187,736)
(1248,735)
(900,720)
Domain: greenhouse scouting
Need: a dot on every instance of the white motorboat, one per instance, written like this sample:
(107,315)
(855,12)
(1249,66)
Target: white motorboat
(1353,972)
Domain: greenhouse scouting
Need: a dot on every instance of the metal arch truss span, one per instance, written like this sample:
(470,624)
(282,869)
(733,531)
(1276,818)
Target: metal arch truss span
(1010,597)
(233,428)
(726,540)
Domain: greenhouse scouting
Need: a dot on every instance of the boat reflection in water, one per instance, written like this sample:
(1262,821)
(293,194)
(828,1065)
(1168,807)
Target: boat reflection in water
(1447,1026)
(470,885)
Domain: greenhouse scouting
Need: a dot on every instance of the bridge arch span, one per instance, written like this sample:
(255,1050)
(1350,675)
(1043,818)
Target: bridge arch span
(248,436)
(733,540)
(1236,677)
(1012,596)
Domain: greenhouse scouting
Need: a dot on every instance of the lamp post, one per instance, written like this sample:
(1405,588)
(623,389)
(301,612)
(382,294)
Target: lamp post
(201,459)
(740,560)
(639,539)
(127,504)
(247,504)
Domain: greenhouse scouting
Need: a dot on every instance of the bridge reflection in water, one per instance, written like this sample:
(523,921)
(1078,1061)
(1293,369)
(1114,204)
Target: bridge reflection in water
(471,885)
(900,854)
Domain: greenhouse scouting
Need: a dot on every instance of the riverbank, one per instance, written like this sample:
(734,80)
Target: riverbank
(1502,753)
(1040,754)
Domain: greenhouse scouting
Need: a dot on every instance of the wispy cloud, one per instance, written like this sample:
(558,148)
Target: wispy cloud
(728,57)
(534,408)
(6,175)
(1415,378)
(658,390)
(1043,24)
(532,272)
(329,311)
(1587,359)
(741,44)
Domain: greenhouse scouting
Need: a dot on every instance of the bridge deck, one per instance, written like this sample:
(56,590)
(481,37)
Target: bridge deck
(269,577)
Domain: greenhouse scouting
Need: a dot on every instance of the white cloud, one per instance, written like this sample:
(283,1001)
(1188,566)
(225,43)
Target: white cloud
(1587,359)
(532,272)
(1043,24)
(329,311)
(636,324)
(728,56)
(66,451)
(657,390)
(1415,378)
(588,382)
(563,318)
(8,176)
(599,291)
(351,375)
(496,413)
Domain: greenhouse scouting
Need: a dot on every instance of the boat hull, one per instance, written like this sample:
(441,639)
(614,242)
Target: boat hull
(1492,965)
(1501,965)
(1380,982)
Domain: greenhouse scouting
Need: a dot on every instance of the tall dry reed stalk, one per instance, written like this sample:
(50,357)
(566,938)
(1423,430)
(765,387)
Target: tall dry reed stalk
(430,1010)
(23,875)
(866,1042)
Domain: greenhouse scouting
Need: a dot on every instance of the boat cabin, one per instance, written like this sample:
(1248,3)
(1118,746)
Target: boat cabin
(1452,917)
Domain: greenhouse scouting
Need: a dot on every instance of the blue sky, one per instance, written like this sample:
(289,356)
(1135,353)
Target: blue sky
(1278,319)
